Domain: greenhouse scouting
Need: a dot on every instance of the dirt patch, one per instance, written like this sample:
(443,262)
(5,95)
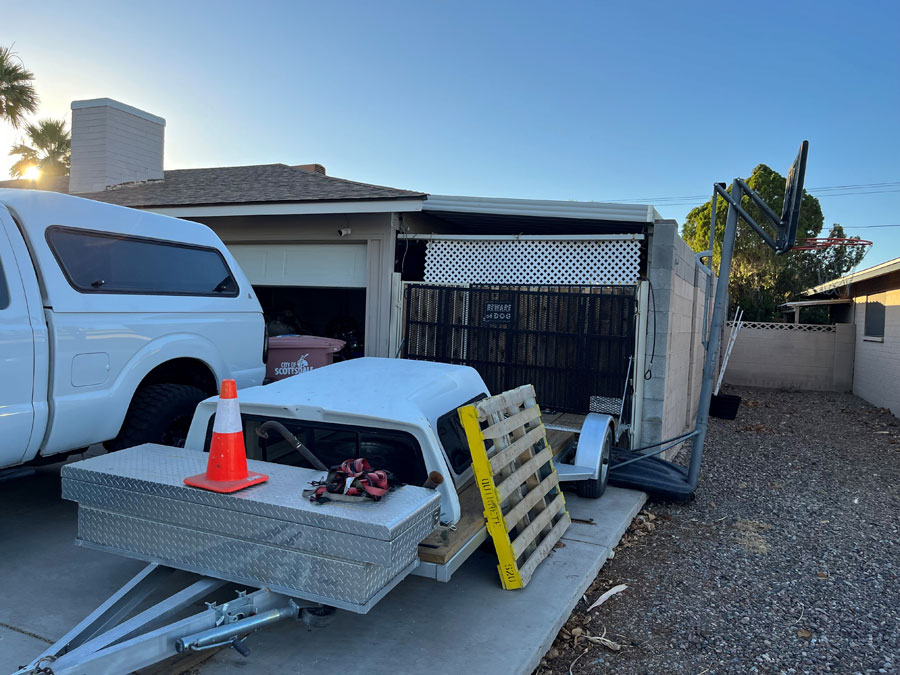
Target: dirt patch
(750,536)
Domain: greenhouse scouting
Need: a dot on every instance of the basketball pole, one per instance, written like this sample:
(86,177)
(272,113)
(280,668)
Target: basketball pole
(715,330)
(665,477)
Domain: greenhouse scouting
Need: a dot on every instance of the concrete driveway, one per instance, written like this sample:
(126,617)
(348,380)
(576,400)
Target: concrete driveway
(50,585)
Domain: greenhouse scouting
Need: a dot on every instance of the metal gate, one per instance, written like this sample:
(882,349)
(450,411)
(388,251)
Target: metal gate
(572,343)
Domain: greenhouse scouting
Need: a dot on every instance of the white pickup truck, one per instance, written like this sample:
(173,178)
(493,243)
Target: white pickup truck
(114,324)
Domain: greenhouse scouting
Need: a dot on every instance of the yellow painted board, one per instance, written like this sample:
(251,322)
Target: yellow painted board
(484,477)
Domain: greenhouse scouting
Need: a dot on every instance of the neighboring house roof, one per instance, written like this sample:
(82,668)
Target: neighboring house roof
(52,184)
(869,273)
(259,184)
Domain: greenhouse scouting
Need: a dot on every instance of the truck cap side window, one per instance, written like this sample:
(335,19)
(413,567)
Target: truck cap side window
(453,438)
(4,289)
(101,262)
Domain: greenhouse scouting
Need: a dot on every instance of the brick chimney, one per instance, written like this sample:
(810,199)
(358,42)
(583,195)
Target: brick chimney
(315,168)
(112,144)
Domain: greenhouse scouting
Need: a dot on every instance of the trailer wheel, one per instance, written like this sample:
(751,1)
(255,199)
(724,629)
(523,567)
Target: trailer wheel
(159,413)
(593,488)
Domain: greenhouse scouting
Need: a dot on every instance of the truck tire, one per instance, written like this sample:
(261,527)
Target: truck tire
(159,413)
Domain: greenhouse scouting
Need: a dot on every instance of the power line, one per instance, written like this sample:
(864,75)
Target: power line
(830,191)
(866,227)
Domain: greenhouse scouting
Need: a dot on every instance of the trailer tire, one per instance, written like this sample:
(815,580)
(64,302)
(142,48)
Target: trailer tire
(159,413)
(593,488)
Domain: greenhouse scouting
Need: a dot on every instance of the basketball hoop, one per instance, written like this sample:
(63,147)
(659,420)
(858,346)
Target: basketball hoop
(822,243)
(823,248)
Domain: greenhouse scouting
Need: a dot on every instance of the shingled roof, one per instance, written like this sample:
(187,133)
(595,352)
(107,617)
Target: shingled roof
(259,184)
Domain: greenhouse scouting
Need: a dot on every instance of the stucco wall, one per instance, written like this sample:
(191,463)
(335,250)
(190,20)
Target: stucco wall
(679,292)
(876,375)
(780,356)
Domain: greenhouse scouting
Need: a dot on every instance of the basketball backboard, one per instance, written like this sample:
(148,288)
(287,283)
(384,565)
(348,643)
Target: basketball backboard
(793,195)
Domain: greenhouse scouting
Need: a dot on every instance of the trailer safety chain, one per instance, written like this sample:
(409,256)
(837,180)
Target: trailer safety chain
(40,669)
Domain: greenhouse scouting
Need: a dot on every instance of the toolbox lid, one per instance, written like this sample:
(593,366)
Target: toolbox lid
(160,470)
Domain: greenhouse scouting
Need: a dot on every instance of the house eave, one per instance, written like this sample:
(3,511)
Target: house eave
(290,208)
(876,271)
(634,213)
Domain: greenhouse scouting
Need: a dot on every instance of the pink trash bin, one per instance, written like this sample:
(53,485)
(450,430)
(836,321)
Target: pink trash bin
(294,354)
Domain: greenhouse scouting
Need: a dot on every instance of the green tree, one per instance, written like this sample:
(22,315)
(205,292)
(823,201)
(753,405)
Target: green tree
(17,95)
(760,280)
(49,149)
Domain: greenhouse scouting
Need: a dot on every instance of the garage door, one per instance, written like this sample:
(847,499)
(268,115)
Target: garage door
(334,265)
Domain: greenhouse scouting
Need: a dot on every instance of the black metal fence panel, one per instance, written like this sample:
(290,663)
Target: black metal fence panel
(572,343)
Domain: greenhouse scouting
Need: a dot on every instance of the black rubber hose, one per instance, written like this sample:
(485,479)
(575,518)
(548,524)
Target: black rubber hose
(263,432)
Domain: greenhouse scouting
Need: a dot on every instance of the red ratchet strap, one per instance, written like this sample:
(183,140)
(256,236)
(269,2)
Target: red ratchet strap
(355,479)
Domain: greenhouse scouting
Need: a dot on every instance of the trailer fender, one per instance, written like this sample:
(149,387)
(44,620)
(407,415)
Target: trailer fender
(589,452)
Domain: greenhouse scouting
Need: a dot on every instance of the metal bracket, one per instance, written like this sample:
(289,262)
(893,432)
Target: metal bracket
(233,610)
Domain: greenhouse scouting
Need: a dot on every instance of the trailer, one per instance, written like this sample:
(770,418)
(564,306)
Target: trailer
(289,557)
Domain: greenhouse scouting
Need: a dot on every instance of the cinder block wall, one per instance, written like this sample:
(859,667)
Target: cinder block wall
(787,358)
(679,291)
(876,375)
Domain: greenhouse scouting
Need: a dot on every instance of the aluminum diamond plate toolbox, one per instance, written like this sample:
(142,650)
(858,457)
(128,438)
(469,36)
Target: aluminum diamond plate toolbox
(134,502)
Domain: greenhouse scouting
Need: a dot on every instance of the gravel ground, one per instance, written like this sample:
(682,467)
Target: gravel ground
(785,562)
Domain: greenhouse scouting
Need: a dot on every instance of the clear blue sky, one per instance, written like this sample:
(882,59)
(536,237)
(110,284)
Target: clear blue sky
(563,100)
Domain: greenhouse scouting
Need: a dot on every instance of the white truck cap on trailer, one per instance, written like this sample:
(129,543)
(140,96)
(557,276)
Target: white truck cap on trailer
(390,390)
(375,392)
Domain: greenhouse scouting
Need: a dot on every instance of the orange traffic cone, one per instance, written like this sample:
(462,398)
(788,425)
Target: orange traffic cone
(226,469)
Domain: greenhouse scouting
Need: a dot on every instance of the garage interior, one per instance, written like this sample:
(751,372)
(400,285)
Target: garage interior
(310,289)
(310,310)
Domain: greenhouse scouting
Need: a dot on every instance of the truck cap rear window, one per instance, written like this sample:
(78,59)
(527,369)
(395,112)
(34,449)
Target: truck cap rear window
(103,262)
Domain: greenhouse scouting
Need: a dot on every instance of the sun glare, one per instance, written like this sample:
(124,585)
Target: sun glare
(32,173)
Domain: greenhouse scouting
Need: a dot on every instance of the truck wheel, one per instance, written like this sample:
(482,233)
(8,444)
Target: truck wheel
(159,413)
(593,488)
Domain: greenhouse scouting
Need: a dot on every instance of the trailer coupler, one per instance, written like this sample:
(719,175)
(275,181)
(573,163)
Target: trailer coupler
(228,634)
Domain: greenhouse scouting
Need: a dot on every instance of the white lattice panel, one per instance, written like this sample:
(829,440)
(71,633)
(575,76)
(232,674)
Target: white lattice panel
(801,327)
(608,262)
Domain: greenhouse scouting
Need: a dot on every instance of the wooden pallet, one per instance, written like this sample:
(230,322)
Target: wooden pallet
(513,464)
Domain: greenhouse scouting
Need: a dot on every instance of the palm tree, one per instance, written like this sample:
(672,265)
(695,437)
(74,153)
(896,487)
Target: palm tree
(17,95)
(49,149)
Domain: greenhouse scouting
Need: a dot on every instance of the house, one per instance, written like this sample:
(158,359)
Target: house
(870,301)
(857,349)
(594,303)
